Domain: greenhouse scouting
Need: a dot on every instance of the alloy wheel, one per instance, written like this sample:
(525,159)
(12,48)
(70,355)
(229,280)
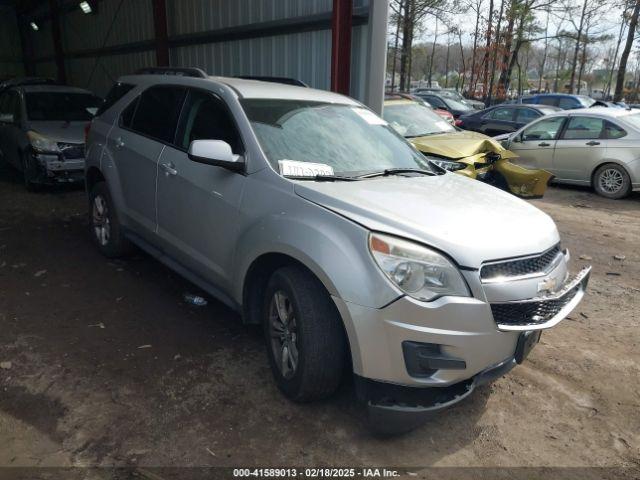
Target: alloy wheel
(101,222)
(611,180)
(283,332)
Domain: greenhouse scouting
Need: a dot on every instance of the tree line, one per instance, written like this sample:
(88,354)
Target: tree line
(490,43)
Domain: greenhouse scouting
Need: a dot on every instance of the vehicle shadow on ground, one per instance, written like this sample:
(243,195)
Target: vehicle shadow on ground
(586,197)
(137,375)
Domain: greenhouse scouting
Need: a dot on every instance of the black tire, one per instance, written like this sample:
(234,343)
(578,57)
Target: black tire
(27,174)
(319,335)
(105,227)
(612,181)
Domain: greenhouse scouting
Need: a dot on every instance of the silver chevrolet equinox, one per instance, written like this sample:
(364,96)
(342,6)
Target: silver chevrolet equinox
(306,213)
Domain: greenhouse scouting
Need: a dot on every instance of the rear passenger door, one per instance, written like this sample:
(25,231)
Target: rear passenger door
(197,203)
(145,127)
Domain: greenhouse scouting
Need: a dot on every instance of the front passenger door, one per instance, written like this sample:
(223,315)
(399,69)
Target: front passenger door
(535,145)
(198,204)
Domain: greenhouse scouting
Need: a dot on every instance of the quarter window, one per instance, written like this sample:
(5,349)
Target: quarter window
(584,128)
(613,131)
(205,117)
(546,129)
(158,111)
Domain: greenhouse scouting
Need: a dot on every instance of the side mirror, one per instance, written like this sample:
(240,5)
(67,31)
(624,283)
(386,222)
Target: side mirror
(6,118)
(217,153)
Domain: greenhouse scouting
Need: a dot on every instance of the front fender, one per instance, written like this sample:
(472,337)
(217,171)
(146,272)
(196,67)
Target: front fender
(524,182)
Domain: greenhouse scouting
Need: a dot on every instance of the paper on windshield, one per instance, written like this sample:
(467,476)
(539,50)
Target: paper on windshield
(443,125)
(369,117)
(293,168)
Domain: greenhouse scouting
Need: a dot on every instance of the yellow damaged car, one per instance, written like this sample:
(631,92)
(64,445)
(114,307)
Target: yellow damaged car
(468,153)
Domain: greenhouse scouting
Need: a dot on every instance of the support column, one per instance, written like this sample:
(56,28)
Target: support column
(341,46)
(57,41)
(376,70)
(161,32)
(26,45)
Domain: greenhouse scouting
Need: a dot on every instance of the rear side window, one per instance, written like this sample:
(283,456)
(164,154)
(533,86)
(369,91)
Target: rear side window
(526,115)
(567,103)
(546,129)
(547,101)
(158,111)
(118,91)
(584,128)
(504,114)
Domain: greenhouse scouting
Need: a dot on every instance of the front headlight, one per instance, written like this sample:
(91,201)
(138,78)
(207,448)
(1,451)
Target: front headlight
(42,144)
(418,271)
(449,165)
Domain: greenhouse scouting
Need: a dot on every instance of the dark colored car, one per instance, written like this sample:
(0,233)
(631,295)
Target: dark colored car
(20,81)
(453,94)
(563,101)
(503,118)
(452,106)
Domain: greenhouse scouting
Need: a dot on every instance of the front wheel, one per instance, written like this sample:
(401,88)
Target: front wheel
(612,181)
(105,228)
(305,339)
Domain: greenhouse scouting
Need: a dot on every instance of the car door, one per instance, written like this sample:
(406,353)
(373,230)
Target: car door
(197,203)
(145,127)
(498,121)
(580,147)
(11,134)
(535,144)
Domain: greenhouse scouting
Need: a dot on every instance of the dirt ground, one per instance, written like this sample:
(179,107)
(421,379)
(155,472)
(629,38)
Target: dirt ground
(103,364)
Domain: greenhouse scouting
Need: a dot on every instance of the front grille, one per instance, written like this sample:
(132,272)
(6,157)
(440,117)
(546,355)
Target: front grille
(71,151)
(531,312)
(520,267)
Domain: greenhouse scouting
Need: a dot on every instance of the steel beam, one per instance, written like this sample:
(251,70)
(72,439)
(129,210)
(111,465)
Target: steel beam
(341,25)
(376,69)
(57,41)
(161,32)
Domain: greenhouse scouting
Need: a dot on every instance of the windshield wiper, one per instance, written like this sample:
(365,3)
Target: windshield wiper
(395,171)
(324,178)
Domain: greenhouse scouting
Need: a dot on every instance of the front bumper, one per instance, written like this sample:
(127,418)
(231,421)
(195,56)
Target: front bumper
(55,169)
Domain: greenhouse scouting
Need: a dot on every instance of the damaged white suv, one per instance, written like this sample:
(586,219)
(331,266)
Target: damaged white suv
(308,214)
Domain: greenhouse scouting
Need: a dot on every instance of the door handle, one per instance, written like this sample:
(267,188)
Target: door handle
(119,142)
(592,143)
(544,144)
(169,169)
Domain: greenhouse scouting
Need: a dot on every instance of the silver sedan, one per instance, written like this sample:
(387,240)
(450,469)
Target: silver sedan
(599,147)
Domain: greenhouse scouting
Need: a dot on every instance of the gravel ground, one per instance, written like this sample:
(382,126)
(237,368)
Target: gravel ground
(103,364)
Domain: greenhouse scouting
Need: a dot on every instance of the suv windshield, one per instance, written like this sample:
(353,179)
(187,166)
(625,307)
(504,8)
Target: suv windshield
(61,106)
(412,120)
(349,139)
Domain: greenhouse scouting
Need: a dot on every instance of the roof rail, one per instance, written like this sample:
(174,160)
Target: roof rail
(177,71)
(285,80)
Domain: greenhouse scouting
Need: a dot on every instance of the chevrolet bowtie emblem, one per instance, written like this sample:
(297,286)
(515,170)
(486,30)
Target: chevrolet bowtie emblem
(547,285)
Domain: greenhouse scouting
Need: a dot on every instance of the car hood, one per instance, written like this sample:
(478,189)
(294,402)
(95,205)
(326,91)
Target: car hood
(458,145)
(470,221)
(69,132)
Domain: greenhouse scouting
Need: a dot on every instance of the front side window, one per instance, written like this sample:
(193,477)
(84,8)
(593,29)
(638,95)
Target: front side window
(412,120)
(546,129)
(548,101)
(435,102)
(10,106)
(157,113)
(61,106)
(503,114)
(350,139)
(526,115)
(569,103)
(584,128)
(206,118)
(118,91)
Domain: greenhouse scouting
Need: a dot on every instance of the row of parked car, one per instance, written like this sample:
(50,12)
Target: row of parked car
(345,235)
(572,137)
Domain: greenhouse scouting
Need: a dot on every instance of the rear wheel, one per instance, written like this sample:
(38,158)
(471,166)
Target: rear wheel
(303,331)
(105,228)
(612,181)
